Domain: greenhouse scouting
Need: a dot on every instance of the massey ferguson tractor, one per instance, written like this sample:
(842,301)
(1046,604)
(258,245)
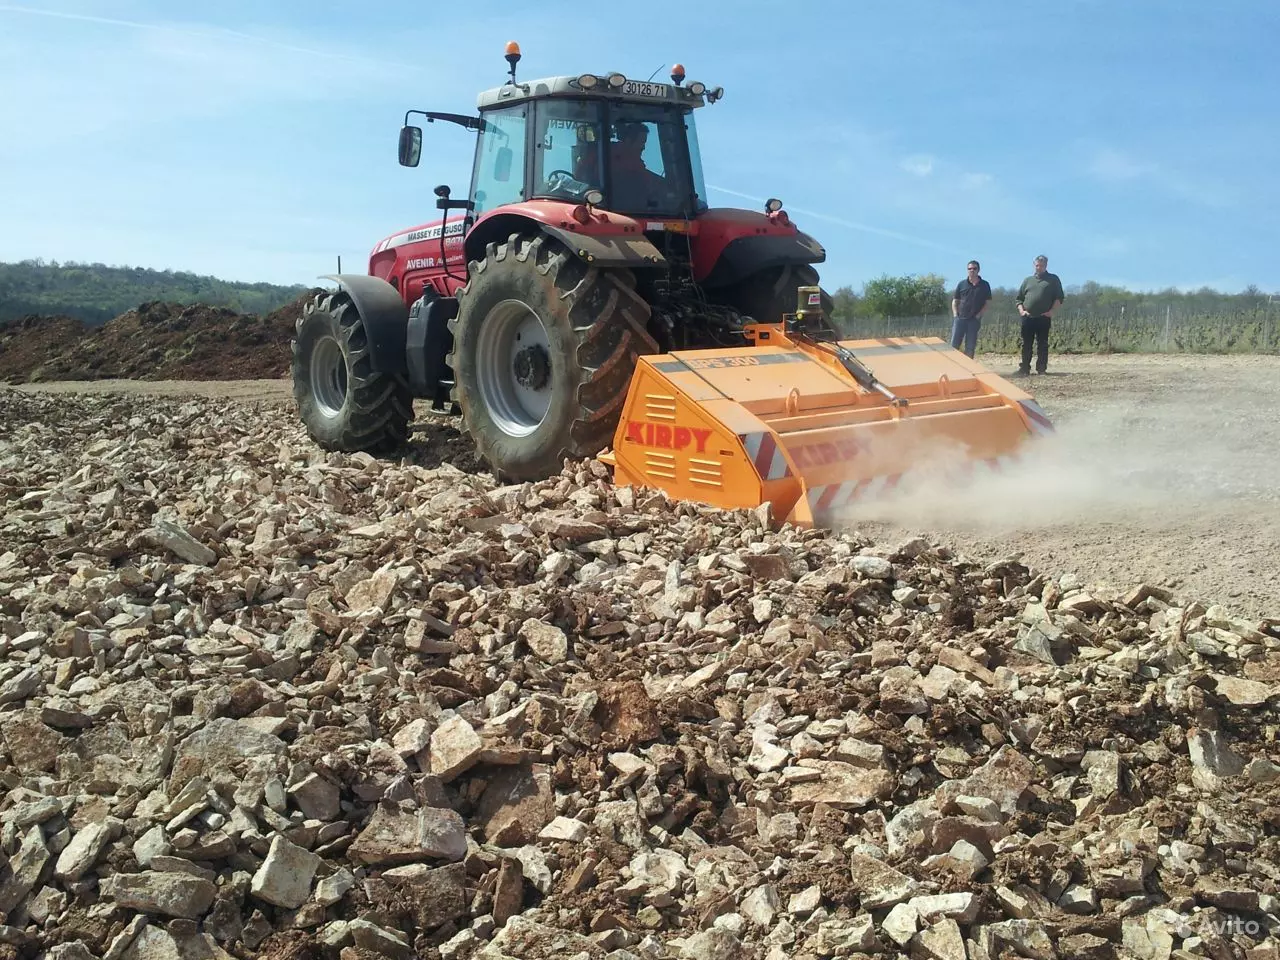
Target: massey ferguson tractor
(589,302)
(585,241)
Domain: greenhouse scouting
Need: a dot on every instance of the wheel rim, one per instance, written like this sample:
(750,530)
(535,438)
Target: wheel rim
(329,377)
(514,366)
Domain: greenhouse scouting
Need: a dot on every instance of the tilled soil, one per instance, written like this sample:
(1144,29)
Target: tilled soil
(156,341)
(1166,469)
(257,700)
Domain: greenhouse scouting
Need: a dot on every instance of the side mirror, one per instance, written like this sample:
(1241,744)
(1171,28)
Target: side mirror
(410,146)
(502,165)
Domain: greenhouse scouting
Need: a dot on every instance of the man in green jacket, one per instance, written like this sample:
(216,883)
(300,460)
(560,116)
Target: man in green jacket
(1040,295)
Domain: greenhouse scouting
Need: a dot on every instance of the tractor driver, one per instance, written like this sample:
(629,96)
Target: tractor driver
(635,186)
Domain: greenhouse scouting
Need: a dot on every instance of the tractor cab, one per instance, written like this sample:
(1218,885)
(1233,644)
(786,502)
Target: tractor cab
(622,145)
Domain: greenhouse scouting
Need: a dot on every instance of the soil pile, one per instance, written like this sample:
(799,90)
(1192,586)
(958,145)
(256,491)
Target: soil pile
(27,344)
(257,700)
(157,341)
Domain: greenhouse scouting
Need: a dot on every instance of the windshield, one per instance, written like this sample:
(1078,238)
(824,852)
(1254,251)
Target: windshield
(634,153)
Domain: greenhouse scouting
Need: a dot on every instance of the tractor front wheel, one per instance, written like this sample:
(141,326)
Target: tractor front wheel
(544,346)
(343,403)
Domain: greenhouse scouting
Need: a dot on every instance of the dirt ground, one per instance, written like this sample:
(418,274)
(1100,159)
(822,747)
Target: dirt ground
(1165,469)
(156,341)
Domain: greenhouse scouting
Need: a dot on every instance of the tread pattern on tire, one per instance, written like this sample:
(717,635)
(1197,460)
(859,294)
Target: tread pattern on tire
(608,319)
(379,406)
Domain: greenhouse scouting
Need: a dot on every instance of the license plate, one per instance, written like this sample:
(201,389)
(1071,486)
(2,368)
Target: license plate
(642,88)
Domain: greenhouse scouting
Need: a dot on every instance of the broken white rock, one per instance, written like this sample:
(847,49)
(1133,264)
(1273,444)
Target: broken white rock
(85,848)
(876,568)
(284,879)
(565,828)
(546,641)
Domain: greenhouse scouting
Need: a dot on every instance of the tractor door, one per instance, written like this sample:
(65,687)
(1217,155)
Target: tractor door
(498,176)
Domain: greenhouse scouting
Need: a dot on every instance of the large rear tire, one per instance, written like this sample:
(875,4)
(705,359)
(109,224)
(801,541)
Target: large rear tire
(544,346)
(344,404)
(767,295)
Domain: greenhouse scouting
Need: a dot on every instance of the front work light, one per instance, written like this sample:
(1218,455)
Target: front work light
(588,81)
(697,88)
(616,80)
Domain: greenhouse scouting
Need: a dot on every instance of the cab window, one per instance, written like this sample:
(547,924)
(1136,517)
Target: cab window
(500,154)
(568,150)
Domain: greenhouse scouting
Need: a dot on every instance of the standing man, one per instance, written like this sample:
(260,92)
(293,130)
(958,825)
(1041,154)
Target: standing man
(969,303)
(1040,295)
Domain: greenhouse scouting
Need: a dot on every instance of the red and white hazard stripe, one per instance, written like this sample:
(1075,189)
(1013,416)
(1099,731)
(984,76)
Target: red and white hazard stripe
(1040,421)
(767,456)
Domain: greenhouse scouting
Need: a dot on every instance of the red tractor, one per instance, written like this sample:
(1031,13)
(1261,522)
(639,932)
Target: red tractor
(586,240)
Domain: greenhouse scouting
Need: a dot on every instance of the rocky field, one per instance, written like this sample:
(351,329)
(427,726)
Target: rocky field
(260,701)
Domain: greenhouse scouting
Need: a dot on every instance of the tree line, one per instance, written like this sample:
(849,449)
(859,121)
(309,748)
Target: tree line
(95,293)
(917,296)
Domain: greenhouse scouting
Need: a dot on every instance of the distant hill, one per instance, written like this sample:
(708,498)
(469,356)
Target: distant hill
(95,293)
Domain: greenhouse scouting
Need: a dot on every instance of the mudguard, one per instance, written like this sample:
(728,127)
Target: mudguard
(429,343)
(385,316)
(744,256)
(618,250)
(617,242)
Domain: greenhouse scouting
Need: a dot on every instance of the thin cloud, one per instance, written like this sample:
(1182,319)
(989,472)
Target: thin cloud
(920,165)
(215,33)
(1110,165)
(840,221)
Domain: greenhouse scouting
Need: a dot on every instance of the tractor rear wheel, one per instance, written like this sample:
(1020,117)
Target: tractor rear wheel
(343,403)
(544,346)
(767,295)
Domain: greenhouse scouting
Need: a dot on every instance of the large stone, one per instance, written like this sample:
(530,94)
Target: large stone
(156,943)
(32,744)
(842,785)
(874,568)
(397,836)
(1244,693)
(522,938)
(317,797)
(378,941)
(83,851)
(223,744)
(516,805)
(164,894)
(25,870)
(285,876)
(713,944)
(178,540)
(440,893)
(455,748)
(546,641)
(941,941)
(1003,779)
(879,885)
(1212,759)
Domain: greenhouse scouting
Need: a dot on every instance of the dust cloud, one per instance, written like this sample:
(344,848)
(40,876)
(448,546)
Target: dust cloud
(1150,465)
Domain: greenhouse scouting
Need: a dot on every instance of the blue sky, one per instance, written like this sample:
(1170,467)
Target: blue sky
(1132,141)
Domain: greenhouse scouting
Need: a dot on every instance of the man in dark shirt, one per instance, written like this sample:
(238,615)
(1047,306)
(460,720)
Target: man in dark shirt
(1040,295)
(968,304)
